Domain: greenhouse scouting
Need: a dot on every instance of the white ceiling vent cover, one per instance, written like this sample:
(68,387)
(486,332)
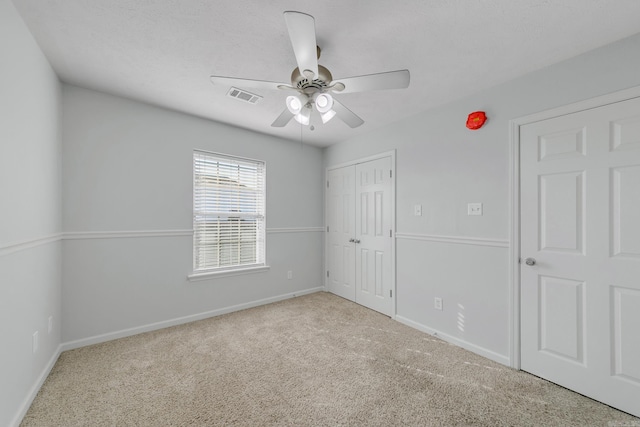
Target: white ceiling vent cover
(243,95)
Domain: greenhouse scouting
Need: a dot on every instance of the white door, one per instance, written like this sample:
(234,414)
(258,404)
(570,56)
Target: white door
(580,228)
(359,234)
(373,235)
(341,232)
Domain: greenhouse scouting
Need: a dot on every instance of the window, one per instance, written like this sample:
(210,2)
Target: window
(228,213)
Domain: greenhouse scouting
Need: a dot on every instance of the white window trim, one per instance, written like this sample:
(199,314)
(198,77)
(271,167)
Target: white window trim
(216,274)
(199,275)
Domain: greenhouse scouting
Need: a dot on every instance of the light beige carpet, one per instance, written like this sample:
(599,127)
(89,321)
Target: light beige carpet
(316,360)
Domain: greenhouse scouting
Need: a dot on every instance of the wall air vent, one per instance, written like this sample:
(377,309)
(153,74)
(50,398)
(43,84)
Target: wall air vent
(243,95)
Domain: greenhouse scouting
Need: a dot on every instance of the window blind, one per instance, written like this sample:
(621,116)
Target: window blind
(228,212)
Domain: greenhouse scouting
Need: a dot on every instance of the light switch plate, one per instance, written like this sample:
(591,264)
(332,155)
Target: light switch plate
(474,209)
(417,210)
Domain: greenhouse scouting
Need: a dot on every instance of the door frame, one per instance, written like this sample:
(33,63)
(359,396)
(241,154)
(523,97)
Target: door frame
(514,199)
(382,155)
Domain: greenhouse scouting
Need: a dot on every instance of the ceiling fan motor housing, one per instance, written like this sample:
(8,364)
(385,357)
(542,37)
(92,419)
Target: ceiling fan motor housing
(310,87)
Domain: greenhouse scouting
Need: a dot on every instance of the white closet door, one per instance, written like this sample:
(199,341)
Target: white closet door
(359,236)
(580,233)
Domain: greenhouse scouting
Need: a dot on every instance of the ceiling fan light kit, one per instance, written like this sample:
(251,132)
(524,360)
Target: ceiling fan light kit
(313,82)
(323,101)
(300,108)
(295,104)
(304,116)
(327,116)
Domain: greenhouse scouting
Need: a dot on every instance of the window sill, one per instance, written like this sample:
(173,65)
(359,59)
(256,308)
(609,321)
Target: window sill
(196,277)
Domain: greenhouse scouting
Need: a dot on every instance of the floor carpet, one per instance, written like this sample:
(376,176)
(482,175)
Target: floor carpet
(315,360)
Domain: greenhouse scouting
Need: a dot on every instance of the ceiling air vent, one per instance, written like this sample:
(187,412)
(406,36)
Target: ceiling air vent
(243,95)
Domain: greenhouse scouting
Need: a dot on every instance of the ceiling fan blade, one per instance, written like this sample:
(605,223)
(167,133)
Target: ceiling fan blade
(390,80)
(346,115)
(302,32)
(245,83)
(282,120)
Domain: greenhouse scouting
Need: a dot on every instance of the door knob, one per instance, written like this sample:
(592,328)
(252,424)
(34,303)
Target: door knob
(352,240)
(530,261)
(357,241)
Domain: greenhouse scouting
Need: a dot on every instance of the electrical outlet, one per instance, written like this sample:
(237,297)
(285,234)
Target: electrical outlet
(35,342)
(437,303)
(289,274)
(50,327)
(417,210)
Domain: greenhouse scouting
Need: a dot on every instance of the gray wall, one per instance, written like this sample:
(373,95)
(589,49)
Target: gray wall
(444,166)
(127,217)
(30,212)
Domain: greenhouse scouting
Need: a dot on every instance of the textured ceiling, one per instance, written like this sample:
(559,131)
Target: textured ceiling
(163,51)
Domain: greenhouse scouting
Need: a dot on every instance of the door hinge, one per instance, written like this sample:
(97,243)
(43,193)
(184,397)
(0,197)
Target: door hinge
(327,273)
(390,293)
(390,174)
(327,228)
(327,184)
(390,231)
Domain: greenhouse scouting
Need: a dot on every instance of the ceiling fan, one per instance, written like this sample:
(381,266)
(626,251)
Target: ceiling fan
(313,82)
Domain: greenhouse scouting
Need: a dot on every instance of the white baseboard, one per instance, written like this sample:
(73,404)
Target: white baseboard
(33,392)
(181,320)
(453,340)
